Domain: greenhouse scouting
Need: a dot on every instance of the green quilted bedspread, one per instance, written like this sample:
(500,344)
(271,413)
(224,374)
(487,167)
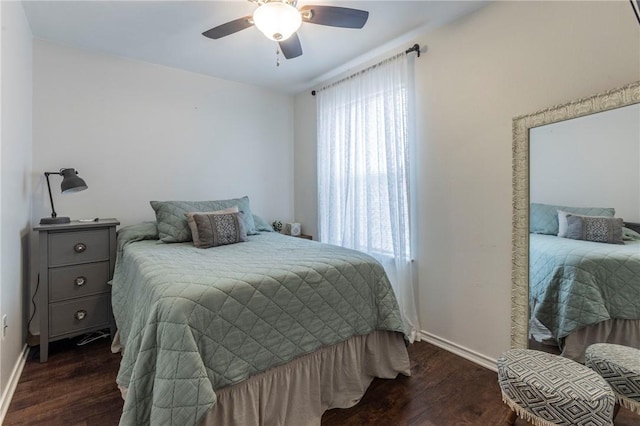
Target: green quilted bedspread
(193,320)
(574,283)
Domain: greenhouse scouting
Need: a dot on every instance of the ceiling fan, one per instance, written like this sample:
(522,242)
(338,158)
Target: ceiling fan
(279,20)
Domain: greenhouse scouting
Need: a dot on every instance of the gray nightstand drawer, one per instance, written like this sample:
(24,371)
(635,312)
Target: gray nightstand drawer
(76,315)
(76,281)
(66,248)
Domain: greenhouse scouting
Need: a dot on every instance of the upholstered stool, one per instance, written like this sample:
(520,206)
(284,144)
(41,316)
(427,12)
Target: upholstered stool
(546,389)
(620,367)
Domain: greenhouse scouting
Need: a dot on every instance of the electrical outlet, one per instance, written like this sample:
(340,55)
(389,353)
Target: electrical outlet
(4,325)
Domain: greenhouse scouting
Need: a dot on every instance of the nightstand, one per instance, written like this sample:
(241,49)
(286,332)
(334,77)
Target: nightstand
(76,263)
(305,236)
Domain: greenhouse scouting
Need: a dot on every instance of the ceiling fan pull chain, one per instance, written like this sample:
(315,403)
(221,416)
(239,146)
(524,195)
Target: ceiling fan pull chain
(277,55)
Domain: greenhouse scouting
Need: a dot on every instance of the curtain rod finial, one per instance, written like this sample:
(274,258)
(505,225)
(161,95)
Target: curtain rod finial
(414,48)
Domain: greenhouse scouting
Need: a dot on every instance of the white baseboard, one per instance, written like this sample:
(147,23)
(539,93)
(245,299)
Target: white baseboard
(466,353)
(7,395)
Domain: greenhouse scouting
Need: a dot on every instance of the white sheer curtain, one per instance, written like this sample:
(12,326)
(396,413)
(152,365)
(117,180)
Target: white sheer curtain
(364,172)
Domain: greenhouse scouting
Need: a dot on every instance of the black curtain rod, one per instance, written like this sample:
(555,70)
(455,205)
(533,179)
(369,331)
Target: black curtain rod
(414,48)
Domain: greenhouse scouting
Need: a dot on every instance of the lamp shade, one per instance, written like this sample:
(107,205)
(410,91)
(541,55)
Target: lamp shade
(277,20)
(71,182)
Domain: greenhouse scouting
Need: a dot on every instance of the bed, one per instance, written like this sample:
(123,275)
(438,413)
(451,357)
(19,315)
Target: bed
(582,292)
(274,330)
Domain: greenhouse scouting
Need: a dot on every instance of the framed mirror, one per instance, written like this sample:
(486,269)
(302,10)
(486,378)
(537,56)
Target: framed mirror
(523,128)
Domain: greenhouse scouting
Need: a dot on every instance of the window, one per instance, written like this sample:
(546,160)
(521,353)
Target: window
(363,169)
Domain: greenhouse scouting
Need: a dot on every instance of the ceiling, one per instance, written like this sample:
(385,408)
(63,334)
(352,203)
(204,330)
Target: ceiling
(170,33)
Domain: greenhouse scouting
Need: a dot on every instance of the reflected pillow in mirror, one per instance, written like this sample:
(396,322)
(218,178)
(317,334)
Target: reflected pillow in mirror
(562,218)
(598,229)
(543,218)
(562,223)
(219,229)
(630,234)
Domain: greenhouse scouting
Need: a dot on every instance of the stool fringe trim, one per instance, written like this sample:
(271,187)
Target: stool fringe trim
(526,415)
(628,403)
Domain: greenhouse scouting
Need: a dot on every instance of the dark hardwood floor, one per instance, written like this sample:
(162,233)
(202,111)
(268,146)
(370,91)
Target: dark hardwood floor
(77,387)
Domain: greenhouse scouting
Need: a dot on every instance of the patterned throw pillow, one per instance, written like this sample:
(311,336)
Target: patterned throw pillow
(192,223)
(543,218)
(216,229)
(595,228)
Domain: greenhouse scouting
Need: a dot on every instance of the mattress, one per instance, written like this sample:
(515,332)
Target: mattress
(195,321)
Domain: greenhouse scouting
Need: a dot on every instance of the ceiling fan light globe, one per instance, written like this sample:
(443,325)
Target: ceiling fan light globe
(277,20)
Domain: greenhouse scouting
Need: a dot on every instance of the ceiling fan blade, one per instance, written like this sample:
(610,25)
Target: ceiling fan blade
(229,28)
(291,47)
(334,16)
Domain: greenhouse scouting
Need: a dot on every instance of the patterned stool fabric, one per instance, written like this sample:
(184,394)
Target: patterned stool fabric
(546,390)
(620,367)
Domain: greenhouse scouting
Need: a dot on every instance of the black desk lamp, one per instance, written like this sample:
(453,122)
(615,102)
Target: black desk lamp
(70,183)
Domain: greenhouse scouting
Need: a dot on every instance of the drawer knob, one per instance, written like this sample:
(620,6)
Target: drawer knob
(80,281)
(81,314)
(80,248)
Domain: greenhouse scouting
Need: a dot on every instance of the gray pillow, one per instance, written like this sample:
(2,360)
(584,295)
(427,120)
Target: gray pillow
(172,223)
(595,228)
(543,218)
(215,229)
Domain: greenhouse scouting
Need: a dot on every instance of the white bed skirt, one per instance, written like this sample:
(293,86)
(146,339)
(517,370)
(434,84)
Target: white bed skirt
(618,331)
(299,392)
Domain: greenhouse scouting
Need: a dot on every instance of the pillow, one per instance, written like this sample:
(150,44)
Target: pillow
(562,221)
(172,223)
(543,218)
(630,235)
(217,229)
(138,232)
(194,228)
(595,228)
(261,224)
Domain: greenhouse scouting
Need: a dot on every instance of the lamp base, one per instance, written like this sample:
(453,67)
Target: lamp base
(54,220)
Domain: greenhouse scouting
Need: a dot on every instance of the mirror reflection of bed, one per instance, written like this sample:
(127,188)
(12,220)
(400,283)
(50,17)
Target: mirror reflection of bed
(582,161)
(584,272)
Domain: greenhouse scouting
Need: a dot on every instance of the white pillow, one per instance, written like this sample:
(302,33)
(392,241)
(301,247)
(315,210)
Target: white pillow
(562,223)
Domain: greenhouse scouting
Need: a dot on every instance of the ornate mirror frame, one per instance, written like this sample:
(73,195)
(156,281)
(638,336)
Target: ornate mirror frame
(617,98)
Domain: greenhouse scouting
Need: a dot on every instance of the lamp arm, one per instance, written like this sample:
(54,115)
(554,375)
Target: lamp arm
(53,210)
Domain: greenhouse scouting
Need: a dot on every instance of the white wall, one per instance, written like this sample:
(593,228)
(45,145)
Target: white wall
(589,161)
(508,59)
(306,170)
(15,185)
(138,132)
